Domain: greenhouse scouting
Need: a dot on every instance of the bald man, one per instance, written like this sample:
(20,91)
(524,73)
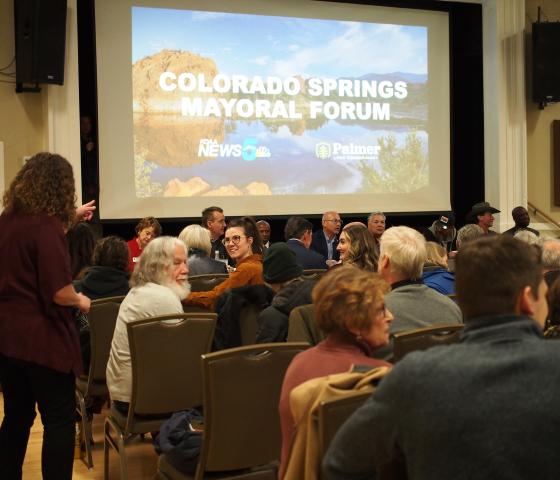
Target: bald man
(325,240)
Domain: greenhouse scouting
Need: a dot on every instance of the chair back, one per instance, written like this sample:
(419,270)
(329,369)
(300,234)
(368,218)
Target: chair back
(302,327)
(314,273)
(241,395)
(248,323)
(205,283)
(102,318)
(333,413)
(165,354)
(424,338)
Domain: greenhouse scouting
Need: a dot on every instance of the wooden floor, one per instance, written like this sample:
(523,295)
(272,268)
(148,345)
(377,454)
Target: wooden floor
(141,455)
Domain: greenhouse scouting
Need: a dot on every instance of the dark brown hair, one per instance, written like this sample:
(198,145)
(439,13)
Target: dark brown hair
(250,229)
(347,297)
(111,252)
(208,215)
(44,185)
(81,243)
(296,227)
(148,222)
(491,272)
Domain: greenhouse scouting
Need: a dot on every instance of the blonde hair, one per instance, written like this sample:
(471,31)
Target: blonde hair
(197,237)
(436,254)
(406,249)
(348,298)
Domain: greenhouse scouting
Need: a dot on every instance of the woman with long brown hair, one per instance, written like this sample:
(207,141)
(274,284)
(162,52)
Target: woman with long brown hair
(244,245)
(357,247)
(39,349)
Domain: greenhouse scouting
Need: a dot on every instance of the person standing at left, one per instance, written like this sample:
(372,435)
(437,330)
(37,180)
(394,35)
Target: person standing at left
(39,348)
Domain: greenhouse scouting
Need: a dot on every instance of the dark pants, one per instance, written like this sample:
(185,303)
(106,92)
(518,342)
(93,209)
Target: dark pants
(23,385)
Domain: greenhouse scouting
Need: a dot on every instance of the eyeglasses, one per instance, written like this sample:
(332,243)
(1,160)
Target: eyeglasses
(338,221)
(235,239)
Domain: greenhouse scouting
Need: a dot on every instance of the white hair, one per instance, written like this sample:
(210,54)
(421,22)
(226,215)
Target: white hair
(550,253)
(406,250)
(155,261)
(526,236)
(197,237)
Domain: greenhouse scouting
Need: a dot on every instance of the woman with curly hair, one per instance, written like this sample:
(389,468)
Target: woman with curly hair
(357,247)
(350,311)
(39,349)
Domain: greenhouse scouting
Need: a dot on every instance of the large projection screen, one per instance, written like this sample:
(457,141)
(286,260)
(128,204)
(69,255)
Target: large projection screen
(271,108)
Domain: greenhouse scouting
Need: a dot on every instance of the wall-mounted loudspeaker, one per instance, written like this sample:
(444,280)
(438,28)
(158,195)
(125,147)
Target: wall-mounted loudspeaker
(40,31)
(546,62)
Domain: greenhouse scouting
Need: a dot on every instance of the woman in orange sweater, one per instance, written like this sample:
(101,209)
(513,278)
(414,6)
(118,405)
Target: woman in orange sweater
(244,245)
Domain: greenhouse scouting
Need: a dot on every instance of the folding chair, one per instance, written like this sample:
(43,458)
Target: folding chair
(424,338)
(241,437)
(165,353)
(102,318)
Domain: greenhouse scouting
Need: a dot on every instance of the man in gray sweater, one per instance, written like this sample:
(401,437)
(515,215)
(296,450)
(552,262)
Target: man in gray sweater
(485,408)
(413,304)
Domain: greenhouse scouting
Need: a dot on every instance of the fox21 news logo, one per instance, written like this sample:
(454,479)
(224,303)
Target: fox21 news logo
(249,150)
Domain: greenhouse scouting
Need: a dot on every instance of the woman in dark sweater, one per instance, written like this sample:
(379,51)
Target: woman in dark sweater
(108,276)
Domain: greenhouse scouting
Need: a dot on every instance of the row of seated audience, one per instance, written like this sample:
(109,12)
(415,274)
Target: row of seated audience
(445,409)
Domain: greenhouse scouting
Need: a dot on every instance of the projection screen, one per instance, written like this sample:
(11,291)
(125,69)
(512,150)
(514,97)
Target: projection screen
(271,108)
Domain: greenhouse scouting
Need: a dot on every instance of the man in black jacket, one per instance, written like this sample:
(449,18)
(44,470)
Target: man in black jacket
(283,275)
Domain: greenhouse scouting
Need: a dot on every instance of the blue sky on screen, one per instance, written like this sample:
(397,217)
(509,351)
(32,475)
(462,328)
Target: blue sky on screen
(283,46)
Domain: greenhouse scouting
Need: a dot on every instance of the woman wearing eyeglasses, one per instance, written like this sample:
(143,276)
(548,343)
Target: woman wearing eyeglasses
(244,245)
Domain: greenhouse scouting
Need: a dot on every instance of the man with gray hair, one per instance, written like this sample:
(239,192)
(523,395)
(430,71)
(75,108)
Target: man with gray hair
(413,304)
(325,241)
(470,231)
(550,259)
(159,283)
(376,226)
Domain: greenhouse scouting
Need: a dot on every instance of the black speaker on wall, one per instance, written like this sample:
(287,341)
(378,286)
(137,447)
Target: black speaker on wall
(40,31)
(546,62)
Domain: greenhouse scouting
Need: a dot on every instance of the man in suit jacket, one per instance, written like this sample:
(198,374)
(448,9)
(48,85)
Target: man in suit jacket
(325,241)
(297,233)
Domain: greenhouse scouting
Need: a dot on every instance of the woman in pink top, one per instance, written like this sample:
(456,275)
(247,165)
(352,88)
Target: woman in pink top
(350,310)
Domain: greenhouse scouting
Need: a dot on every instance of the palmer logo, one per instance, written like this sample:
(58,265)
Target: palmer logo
(348,151)
(323,150)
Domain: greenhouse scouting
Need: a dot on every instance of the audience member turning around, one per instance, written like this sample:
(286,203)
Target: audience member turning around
(244,245)
(357,247)
(39,349)
(350,310)
(147,229)
(159,283)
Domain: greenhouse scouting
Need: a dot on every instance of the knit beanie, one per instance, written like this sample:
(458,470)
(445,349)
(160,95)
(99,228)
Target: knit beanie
(279,264)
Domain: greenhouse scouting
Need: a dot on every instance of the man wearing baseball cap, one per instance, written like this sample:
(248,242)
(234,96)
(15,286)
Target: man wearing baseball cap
(482,214)
(442,231)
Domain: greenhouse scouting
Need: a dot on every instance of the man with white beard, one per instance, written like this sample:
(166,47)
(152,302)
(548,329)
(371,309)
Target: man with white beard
(158,284)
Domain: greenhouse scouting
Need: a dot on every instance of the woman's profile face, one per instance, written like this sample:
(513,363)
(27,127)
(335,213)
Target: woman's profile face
(343,246)
(145,236)
(378,333)
(238,245)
